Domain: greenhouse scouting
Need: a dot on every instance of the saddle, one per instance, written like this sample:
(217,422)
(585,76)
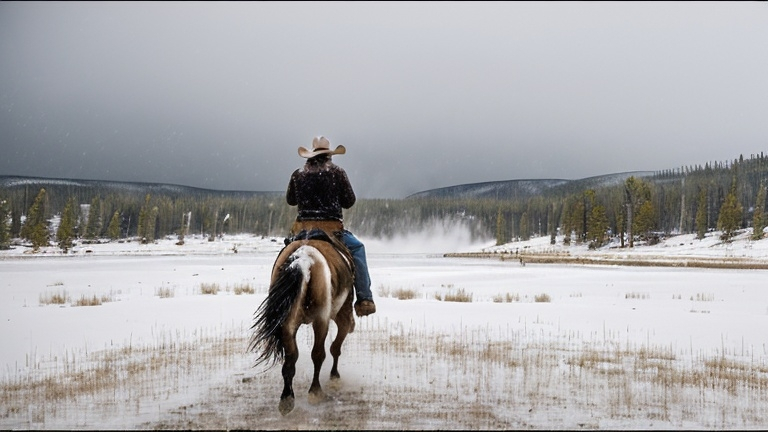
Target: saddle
(328,231)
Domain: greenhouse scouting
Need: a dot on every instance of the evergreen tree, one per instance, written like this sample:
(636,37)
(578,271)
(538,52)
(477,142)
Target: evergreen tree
(501,228)
(729,220)
(570,208)
(701,215)
(35,228)
(621,226)
(147,221)
(93,227)
(183,229)
(597,225)
(758,217)
(525,227)
(113,230)
(636,193)
(140,225)
(15,222)
(5,228)
(66,231)
(552,224)
(579,219)
(152,226)
(645,219)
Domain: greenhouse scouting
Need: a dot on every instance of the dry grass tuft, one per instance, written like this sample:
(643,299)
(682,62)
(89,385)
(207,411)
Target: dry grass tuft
(58,298)
(506,298)
(703,297)
(244,288)
(92,301)
(165,292)
(459,295)
(542,298)
(405,293)
(209,288)
(398,293)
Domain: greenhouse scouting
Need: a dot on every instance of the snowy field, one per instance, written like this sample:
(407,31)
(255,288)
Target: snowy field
(130,336)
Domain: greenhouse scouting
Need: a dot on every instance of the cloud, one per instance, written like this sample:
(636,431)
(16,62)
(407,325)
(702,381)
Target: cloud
(424,95)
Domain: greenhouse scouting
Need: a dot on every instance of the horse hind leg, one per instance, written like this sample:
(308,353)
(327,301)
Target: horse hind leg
(316,394)
(345,324)
(289,371)
(336,350)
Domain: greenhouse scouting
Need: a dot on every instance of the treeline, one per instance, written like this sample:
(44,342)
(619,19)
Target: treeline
(93,211)
(727,196)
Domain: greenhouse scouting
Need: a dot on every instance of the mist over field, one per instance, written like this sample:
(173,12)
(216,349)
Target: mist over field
(438,238)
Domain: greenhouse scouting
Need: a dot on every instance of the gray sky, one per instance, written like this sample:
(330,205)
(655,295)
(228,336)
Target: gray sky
(422,95)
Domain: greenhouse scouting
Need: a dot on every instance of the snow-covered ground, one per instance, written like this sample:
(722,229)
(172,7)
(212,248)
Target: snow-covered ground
(535,346)
(675,246)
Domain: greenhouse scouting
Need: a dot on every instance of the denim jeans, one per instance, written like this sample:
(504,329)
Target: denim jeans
(362,278)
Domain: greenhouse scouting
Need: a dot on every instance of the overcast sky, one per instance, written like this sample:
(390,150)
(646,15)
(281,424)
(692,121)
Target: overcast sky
(422,95)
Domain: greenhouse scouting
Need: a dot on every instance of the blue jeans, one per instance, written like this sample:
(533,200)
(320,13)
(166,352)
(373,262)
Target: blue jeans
(362,278)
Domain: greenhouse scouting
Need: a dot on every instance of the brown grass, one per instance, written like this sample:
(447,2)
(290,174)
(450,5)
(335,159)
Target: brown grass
(146,373)
(490,381)
(534,258)
(405,293)
(209,288)
(459,295)
(165,292)
(243,288)
(399,293)
(58,298)
(506,298)
(93,300)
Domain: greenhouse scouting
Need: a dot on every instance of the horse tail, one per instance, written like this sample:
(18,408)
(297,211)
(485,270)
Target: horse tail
(289,283)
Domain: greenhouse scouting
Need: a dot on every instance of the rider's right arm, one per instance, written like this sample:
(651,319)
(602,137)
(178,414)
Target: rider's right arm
(290,194)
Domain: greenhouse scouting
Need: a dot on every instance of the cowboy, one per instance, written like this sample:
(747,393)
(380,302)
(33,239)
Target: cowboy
(321,190)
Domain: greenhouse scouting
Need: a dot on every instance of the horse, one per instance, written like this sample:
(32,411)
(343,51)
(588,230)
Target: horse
(311,283)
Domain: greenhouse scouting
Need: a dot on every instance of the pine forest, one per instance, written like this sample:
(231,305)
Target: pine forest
(726,196)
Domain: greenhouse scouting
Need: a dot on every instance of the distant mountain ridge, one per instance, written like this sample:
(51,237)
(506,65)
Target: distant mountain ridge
(503,189)
(14,182)
(506,189)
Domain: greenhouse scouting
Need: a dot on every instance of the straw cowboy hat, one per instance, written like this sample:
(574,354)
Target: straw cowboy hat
(321,145)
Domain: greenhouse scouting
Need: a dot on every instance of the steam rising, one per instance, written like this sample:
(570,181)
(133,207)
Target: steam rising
(440,237)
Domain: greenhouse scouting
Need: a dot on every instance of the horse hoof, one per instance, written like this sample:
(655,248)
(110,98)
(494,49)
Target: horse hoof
(317,397)
(286,405)
(335,382)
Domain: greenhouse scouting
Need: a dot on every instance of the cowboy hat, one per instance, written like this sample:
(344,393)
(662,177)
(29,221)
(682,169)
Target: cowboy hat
(321,145)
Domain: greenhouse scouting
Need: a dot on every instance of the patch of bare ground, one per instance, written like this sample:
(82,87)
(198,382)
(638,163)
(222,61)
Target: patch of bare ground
(398,378)
(425,380)
(251,403)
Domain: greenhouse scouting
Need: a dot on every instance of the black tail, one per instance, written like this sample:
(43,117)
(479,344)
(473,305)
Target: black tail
(274,310)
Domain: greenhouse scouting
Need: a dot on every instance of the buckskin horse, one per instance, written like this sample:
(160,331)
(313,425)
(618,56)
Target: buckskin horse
(311,283)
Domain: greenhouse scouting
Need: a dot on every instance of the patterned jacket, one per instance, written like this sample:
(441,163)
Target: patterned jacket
(320,189)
